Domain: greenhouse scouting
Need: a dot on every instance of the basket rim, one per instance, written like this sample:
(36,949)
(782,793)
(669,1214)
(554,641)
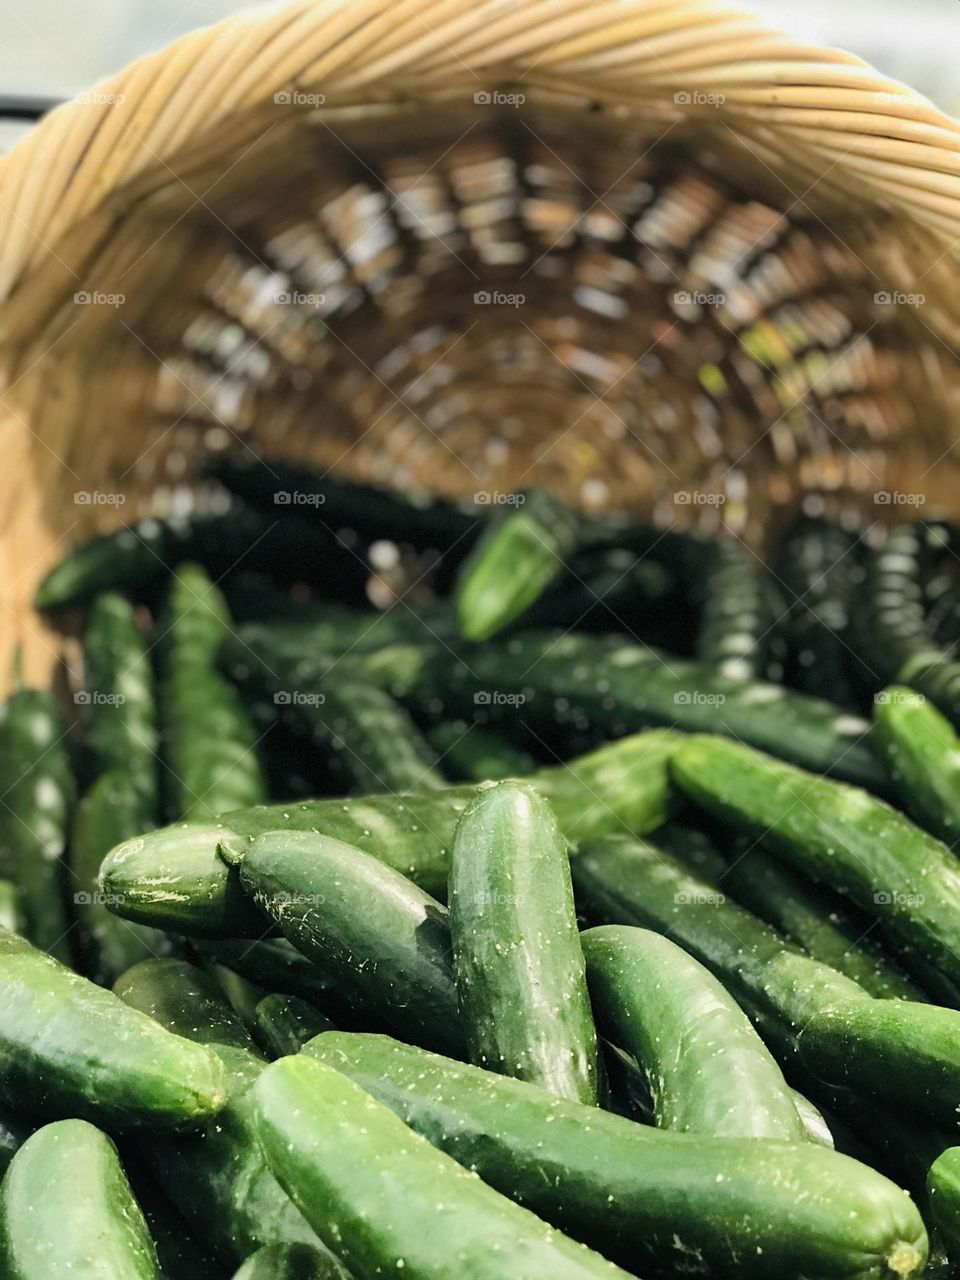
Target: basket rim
(886,145)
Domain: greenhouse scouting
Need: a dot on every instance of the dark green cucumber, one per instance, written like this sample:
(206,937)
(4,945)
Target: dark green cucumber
(379,934)
(38,792)
(655,1201)
(739,613)
(619,687)
(387,1200)
(469,753)
(922,750)
(241,994)
(379,746)
(838,834)
(337,631)
(288,1262)
(516,949)
(707,1069)
(70,1047)
(284,1024)
(180,1254)
(173,878)
(10,907)
(66,1209)
(820,567)
(823,924)
(113,810)
(276,966)
(209,740)
(943,1192)
(217,1177)
(519,554)
(118,693)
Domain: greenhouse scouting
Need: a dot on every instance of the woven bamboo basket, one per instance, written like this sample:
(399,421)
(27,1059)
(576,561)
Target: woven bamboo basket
(642,254)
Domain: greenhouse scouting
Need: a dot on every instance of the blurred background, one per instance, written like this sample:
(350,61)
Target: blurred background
(58,47)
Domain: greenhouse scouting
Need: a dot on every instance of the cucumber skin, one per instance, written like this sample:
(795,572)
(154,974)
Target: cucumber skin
(922,750)
(38,791)
(217,1177)
(707,1069)
(740,609)
(360,920)
(284,1024)
(72,1047)
(516,949)
(66,1208)
(174,878)
(650,1199)
(381,1194)
(842,835)
(943,1191)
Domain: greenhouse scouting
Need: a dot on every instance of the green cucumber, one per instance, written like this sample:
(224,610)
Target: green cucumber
(657,1202)
(838,834)
(469,753)
(284,1024)
(328,629)
(208,737)
(813,1120)
(288,1262)
(376,741)
(180,1254)
(71,1047)
(275,965)
(217,1178)
(113,810)
(943,1191)
(122,721)
(822,923)
(619,687)
(38,792)
(374,930)
(707,1069)
(922,749)
(174,878)
(516,950)
(739,613)
(10,907)
(66,1209)
(517,557)
(385,1199)
(241,994)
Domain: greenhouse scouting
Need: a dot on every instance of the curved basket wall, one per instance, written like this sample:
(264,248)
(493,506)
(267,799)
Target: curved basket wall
(645,255)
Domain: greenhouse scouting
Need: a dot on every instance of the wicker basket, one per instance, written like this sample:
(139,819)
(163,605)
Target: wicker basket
(653,256)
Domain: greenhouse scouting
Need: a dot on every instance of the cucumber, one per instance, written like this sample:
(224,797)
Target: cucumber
(328,629)
(820,566)
(72,1048)
(374,1189)
(516,950)
(121,720)
(66,1209)
(922,750)
(469,753)
(379,746)
(287,1262)
(823,924)
(707,1069)
(839,834)
(739,613)
(517,557)
(240,994)
(374,930)
(814,1122)
(208,737)
(10,907)
(173,878)
(618,687)
(217,1178)
(655,1201)
(284,1024)
(180,1254)
(113,810)
(943,1191)
(38,792)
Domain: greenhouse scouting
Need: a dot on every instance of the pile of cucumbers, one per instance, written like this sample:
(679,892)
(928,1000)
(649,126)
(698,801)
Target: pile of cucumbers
(543,922)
